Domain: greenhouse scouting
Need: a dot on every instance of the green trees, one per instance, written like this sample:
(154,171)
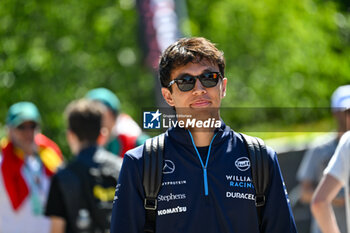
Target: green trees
(278,53)
(53,52)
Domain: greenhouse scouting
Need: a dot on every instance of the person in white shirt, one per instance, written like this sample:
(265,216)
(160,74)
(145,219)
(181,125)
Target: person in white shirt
(336,176)
(28,159)
(317,157)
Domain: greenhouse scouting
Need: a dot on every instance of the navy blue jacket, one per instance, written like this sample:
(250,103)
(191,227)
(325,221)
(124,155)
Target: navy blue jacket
(187,202)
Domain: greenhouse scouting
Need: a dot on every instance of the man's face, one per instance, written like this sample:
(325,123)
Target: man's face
(200,99)
(22,136)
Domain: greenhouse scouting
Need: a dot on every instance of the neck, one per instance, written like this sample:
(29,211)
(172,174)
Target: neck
(202,137)
(77,148)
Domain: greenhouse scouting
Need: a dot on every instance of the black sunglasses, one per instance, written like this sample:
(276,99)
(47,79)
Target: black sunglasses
(27,127)
(187,82)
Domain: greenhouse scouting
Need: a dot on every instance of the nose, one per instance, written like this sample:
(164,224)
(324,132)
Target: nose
(198,88)
(29,134)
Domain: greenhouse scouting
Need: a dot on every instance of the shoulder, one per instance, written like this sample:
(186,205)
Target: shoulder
(343,148)
(339,163)
(345,140)
(135,153)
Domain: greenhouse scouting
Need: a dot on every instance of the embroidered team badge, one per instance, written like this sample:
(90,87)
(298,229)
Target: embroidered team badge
(242,164)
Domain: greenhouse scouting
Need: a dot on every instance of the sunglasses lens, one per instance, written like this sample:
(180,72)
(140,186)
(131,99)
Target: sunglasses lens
(209,79)
(186,83)
(27,127)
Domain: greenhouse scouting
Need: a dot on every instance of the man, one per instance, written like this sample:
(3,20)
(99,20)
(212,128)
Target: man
(336,176)
(29,159)
(206,187)
(121,132)
(80,198)
(316,158)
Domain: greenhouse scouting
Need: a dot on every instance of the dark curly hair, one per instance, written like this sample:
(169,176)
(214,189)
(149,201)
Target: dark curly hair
(186,50)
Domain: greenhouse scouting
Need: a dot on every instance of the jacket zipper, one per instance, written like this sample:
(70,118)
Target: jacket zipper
(204,166)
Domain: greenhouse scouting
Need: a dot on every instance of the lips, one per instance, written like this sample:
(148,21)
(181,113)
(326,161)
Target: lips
(200,103)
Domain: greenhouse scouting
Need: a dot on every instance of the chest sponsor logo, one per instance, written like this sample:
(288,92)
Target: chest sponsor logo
(171,197)
(169,167)
(237,195)
(242,164)
(175,182)
(240,181)
(178,209)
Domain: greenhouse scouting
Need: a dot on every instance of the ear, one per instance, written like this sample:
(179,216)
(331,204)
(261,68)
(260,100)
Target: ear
(103,136)
(71,137)
(73,141)
(168,96)
(223,87)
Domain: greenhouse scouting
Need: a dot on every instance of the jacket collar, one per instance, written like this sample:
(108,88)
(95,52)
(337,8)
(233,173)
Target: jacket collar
(86,155)
(181,135)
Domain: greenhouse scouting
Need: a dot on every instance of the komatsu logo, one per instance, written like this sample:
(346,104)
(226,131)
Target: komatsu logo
(242,164)
(178,209)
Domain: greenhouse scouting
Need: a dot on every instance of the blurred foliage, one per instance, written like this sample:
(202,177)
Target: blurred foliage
(52,52)
(278,53)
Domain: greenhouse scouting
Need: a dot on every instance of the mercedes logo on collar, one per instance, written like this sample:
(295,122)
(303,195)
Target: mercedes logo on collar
(169,167)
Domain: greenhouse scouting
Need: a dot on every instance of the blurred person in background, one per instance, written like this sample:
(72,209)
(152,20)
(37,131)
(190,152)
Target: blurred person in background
(27,162)
(336,176)
(81,194)
(121,133)
(317,157)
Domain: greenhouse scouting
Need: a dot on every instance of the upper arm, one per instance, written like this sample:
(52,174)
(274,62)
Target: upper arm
(327,189)
(321,203)
(339,164)
(58,225)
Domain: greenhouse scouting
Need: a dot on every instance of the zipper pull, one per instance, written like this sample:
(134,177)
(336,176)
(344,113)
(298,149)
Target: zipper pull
(205,181)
